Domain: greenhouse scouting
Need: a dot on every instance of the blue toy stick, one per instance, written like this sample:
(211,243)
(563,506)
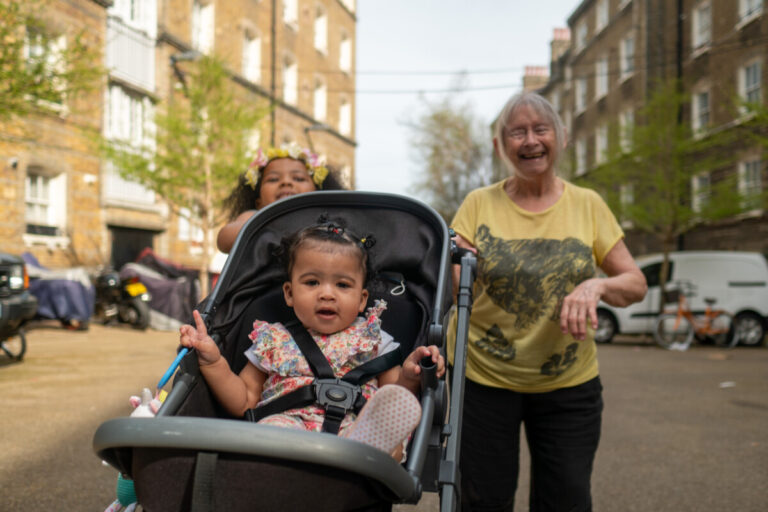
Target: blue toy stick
(175,364)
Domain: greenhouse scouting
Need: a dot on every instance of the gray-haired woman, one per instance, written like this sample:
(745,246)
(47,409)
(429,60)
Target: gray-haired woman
(532,358)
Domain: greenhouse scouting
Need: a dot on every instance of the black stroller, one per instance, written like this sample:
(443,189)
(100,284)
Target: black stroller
(193,456)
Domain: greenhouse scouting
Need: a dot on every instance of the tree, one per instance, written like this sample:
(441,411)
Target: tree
(200,148)
(40,68)
(651,183)
(452,150)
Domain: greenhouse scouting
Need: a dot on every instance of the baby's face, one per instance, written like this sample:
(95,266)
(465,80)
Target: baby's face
(326,287)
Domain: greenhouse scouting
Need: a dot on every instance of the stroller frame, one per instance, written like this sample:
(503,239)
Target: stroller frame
(146,448)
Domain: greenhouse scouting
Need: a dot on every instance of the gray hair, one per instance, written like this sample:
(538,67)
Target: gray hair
(541,106)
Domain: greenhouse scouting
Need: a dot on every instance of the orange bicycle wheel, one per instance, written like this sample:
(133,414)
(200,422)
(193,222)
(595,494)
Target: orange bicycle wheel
(721,330)
(673,332)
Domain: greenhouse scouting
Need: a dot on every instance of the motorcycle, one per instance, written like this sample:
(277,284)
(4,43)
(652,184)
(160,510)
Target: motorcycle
(121,300)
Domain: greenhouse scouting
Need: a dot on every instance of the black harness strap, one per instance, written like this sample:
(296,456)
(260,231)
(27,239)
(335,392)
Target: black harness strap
(202,486)
(372,368)
(336,396)
(318,363)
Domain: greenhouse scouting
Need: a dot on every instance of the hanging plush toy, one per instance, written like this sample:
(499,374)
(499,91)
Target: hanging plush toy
(145,406)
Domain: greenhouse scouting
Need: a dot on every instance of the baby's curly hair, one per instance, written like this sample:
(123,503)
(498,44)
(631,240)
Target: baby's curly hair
(327,230)
(243,197)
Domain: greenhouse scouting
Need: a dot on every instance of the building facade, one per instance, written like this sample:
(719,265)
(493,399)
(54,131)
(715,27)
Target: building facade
(68,206)
(618,51)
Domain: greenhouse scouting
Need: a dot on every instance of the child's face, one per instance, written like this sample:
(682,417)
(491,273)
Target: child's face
(326,287)
(283,177)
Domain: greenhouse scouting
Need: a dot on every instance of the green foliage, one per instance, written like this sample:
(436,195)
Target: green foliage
(200,146)
(41,69)
(664,158)
(451,150)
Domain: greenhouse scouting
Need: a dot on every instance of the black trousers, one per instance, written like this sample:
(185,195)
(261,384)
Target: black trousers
(562,428)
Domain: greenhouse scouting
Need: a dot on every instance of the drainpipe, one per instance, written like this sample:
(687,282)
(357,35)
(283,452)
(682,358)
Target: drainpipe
(273,71)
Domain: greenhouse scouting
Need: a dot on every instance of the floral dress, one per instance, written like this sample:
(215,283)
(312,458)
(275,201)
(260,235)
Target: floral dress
(276,353)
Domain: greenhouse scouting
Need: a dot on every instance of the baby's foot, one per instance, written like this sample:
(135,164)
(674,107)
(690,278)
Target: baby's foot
(386,420)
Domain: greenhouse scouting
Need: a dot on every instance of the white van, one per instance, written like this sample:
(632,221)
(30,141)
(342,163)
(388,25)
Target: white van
(737,280)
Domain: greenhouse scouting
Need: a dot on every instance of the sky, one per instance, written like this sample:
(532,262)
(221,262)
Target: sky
(406,46)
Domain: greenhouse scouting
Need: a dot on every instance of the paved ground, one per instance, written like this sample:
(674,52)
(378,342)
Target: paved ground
(682,431)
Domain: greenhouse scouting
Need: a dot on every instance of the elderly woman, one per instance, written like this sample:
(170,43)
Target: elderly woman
(532,357)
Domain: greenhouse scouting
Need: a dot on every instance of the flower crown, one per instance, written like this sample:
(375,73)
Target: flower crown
(315,167)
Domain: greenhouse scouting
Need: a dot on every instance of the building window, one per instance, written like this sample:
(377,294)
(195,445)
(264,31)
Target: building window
(702,27)
(601,144)
(601,78)
(139,14)
(252,58)
(320,100)
(321,30)
(202,26)
(253,140)
(749,82)
(291,13)
(345,117)
(700,112)
(189,231)
(601,15)
(627,56)
(581,36)
(290,80)
(581,158)
(581,95)
(750,183)
(345,53)
(699,192)
(626,126)
(45,202)
(556,101)
(129,119)
(749,10)
(626,200)
(46,54)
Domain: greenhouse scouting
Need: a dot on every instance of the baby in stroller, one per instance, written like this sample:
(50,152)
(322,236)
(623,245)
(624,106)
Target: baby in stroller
(196,453)
(327,268)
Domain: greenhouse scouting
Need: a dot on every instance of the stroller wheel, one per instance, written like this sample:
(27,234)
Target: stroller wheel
(14,346)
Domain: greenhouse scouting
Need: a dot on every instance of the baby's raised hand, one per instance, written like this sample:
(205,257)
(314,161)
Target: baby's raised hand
(197,338)
(411,368)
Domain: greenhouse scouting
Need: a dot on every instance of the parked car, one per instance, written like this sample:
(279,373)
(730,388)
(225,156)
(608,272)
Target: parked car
(737,280)
(17,305)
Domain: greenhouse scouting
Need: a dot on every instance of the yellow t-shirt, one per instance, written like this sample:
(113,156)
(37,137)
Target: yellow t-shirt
(527,264)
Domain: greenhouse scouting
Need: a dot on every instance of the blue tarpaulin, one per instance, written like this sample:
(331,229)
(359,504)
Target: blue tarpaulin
(65,294)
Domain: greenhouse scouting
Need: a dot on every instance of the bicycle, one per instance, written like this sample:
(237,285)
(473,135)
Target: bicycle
(676,331)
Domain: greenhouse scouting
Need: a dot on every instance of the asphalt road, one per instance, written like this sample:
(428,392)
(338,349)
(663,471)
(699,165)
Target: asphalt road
(681,431)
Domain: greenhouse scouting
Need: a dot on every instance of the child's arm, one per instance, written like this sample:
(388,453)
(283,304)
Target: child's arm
(228,234)
(236,393)
(408,375)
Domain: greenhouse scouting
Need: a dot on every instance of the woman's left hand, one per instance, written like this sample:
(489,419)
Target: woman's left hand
(580,307)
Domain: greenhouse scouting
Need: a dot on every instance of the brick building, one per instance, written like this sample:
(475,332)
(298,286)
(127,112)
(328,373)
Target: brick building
(619,48)
(69,207)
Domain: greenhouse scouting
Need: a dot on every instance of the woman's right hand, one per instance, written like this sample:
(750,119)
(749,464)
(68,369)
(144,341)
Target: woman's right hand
(462,243)
(197,338)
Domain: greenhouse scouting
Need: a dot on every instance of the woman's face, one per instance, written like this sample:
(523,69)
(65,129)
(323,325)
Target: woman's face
(530,142)
(284,177)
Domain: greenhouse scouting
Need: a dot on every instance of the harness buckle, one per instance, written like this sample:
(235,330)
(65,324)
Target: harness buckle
(336,395)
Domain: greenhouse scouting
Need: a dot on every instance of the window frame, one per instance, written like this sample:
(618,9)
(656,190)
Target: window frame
(701,27)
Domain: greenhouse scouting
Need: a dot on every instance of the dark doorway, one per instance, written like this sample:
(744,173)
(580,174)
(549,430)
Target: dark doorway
(127,243)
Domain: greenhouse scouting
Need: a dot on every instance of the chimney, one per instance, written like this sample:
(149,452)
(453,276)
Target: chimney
(561,40)
(535,77)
